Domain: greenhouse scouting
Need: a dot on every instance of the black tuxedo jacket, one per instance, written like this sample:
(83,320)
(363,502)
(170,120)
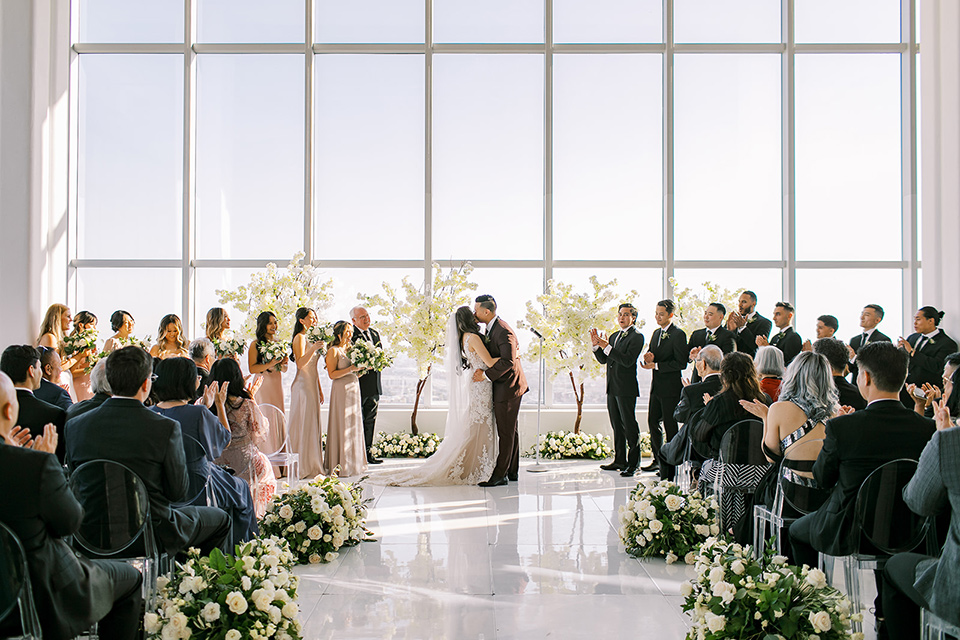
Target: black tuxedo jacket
(151,445)
(53,394)
(691,398)
(788,341)
(856,342)
(671,354)
(506,373)
(370,381)
(35,414)
(855,445)
(722,338)
(926,365)
(621,364)
(747,339)
(70,592)
(83,406)
(849,394)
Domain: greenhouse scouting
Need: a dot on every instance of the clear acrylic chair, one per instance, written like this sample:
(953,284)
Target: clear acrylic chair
(738,469)
(283,456)
(15,588)
(933,627)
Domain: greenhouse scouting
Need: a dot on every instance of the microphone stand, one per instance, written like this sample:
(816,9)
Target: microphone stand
(539,468)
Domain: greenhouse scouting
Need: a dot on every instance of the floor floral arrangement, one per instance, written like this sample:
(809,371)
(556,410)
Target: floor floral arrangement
(318,518)
(221,597)
(661,520)
(405,445)
(557,445)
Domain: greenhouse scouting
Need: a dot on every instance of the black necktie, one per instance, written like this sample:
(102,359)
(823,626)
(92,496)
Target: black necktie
(922,341)
(866,337)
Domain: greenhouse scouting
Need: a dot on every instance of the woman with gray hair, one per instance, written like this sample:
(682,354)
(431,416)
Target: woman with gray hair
(769,364)
(100,388)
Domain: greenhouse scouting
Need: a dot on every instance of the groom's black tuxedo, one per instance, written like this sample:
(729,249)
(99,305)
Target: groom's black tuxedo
(622,392)
(509,385)
(856,342)
(747,338)
(926,363)
(721,337)
(670,353)
(789,342)
(370,390)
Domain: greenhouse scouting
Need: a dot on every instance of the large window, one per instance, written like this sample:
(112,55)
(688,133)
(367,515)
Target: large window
(720,140)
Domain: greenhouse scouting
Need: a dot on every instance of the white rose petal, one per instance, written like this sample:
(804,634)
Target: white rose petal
(233,634)
(211,612)
(236,602)
(820,621)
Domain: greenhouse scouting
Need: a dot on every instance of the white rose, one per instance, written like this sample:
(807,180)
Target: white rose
(686,589)
(690,558)
(233,634)
(314,532)
(331,556)
(290,610)
(286,512)
(236,602)
(656,526)
(715,623)
(151,622)
(725,591)
(820,621)
(817,579)
(275,614)
(245,583)
(211,612)
(673,502)
(249,563)
(737,567)
(179,622)
(650,512)
(714,530)
(162,581)
(169,633)
(671,557)
(300,526)
(717,574)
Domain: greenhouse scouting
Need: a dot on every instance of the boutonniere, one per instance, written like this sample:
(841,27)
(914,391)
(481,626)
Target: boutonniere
(751,319)
(711,337)
(664,335)
(931,341)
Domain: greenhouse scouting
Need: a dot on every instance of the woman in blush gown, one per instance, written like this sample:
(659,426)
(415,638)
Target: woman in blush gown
(83,321)
(170,340)
(345,446)
(271,371)
(217,327)
(306,396)
(56,324)
(122,324)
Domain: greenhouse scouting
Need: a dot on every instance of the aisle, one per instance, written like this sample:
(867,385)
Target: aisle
(537,559)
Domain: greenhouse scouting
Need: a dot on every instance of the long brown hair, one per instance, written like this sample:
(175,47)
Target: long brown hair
(739,377)
(52,322)
(171,318)
(216,322)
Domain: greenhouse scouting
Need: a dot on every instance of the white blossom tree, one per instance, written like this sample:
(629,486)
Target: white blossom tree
(416,318)
(691,303)
(565,318)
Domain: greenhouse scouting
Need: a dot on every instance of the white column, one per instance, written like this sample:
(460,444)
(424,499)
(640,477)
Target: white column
(940,157)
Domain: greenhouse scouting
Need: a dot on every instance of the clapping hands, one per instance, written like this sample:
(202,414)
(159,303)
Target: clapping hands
(762,341)
(20,437)
(942,415)
(755,407)
(735,321)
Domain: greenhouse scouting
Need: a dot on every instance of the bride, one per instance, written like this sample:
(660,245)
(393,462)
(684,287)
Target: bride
(468,452)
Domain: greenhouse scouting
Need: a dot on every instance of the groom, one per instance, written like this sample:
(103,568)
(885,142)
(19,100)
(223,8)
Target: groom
(509,385)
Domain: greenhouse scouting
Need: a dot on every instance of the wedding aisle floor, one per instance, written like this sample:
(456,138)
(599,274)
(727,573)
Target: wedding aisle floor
(536,559)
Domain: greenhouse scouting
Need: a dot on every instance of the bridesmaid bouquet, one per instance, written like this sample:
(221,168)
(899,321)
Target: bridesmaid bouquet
(660,520)
(94,359)
(365,355)
(228,347)
(134,341)
(320,333)
(79,342)
(273,350)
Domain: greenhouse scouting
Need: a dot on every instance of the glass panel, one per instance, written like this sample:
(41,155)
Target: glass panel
(249,156)
(206,284)
(647,282)
(848,157)
(250,21)
(130,169)
(126,21)
(369,155)
(727,162)
(847,21)
(488,157)
(147,294)
(607,21)
(607,159)
(488,21)
(370,21)
(847,292)
(726,21)
(766,283)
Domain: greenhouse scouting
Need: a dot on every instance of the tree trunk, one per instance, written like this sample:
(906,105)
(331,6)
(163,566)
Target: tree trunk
(416,403)
(579,397)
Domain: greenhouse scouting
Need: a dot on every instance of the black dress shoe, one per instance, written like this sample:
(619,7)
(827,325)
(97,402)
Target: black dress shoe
(653,466)
(628,472)
(613,466)
(513,478)
(372,460)
(493,482)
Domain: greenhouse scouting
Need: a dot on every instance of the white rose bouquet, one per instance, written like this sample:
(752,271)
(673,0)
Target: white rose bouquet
(318,518)
(79,342)
(273,350)
(646,450)
(660,520)
(320,333)
(250,595)
(134,341)
(738,596)
(405,445)
(563,444)
(228,346)
(365,355)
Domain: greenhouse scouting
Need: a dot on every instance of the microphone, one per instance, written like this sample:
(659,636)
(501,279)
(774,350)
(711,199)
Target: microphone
(536,333)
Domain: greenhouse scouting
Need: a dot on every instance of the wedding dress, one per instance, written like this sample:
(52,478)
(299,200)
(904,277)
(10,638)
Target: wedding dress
(468,451)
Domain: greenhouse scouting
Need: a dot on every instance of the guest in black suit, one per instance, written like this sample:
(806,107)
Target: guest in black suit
(870,317)
(151,445)
(370,386)
(22,364)
(836,354)
(927,349)
(49,391)
(667,357)
(748,324)
(620,354)
(787,339)
(712,333)
(100,388)
(70,593)
(854,446)
(203,354)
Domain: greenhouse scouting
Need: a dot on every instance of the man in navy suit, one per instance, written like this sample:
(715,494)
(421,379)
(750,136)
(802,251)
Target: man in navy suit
(667,357)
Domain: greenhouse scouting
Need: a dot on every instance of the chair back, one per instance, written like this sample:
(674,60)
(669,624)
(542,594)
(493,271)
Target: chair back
(15,582)
(116,508)
(742,444)
(198,472)
(881,513)
(276,440)
(797,486)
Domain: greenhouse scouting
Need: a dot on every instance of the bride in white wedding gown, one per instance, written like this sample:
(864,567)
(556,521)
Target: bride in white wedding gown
(468,452)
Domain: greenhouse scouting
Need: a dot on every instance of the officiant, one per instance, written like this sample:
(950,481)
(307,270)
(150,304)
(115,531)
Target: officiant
(370,387)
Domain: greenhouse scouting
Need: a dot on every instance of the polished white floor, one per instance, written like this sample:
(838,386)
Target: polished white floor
(539,558)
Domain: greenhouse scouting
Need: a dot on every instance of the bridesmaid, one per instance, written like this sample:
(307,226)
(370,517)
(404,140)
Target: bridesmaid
(306,396)
(170,340)
(345,446)
(56,323)
(122,324)
(218,323)
(271,389)
(83,321)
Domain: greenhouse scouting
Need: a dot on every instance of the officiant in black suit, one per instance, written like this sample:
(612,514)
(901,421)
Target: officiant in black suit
(370,386)
(667,358)
(748,324)
(787,339)
(620,353)
(870,317)
(927,349)
(713,333)
(22,364)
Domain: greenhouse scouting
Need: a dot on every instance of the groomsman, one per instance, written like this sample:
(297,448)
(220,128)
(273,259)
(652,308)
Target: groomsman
(826,328)
(748,324)
(620,354)
(667,358)
(370,387)
(714,333)
(927,350)
(787,340)
(870,317)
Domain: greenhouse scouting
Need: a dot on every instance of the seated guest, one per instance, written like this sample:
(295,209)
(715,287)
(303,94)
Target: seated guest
(836,354)
(175,388)
(927,349)
(911,581)
(713,333)
(787,339)
(49,390)
(923,397)
(124,431)
(769,365)
(826,328)
(870,317)
(748,324)
(70,593)
(855,445)
(22,364)
(203,355)
(100,388)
